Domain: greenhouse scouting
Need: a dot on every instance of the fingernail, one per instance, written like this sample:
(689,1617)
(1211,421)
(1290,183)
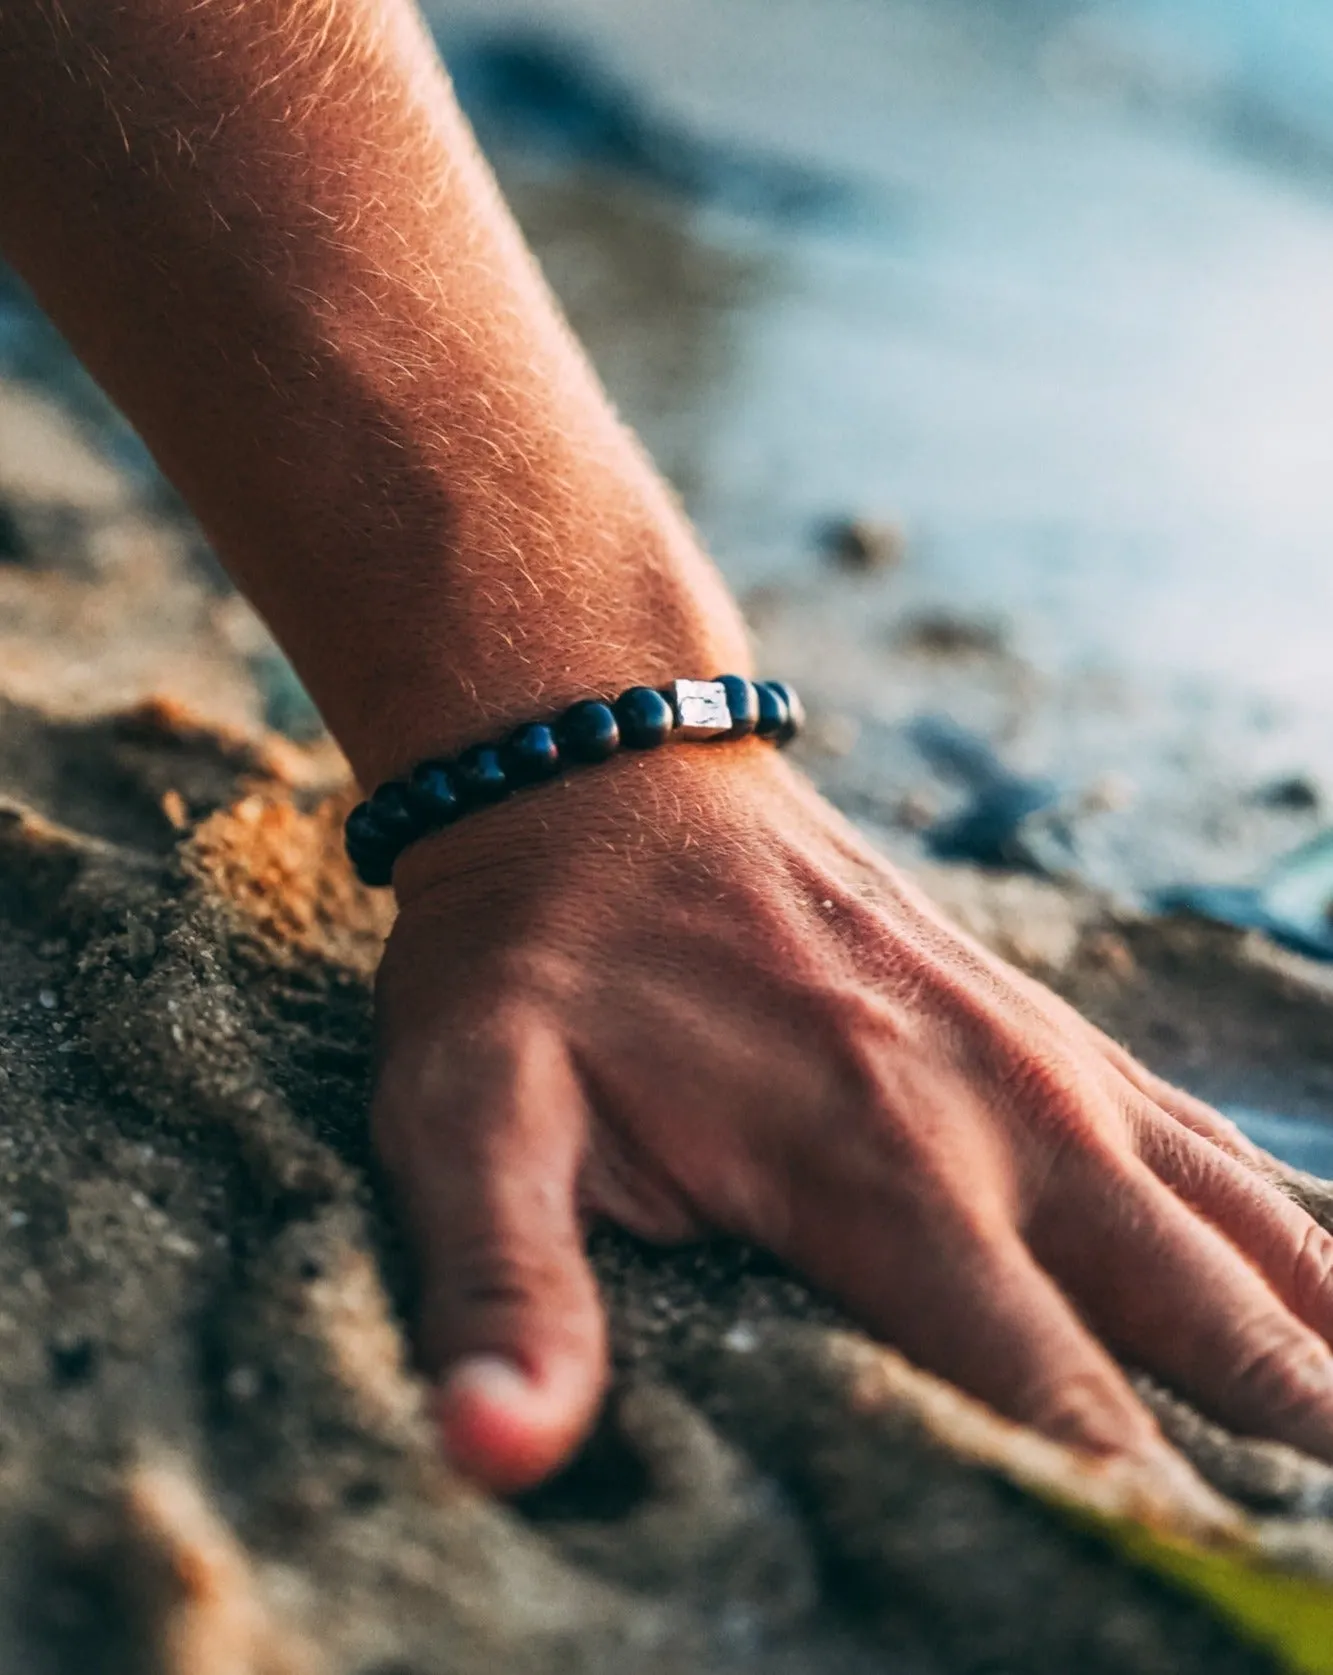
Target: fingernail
(499,1425)
(489,1378)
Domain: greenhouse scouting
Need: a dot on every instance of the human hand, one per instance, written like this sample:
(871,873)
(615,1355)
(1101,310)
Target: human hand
(681,993)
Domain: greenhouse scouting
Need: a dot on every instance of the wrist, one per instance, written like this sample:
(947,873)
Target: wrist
(439,793)
(463,657)
(609,810)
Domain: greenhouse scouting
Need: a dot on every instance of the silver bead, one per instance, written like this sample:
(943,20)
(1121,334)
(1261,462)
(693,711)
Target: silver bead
(700,708)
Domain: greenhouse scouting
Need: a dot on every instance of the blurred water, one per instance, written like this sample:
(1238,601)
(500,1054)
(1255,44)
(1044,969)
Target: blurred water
(1080,344)
(1304,1142)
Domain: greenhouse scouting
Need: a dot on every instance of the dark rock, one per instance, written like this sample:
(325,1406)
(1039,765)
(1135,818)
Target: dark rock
(1293,904)
(944,633)
(1293,794)
(1000,825)
(864,543)
(14,547)
(530,91)
(73,1360)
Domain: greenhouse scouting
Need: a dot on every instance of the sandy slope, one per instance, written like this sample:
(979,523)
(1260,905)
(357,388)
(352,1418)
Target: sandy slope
(212,1455)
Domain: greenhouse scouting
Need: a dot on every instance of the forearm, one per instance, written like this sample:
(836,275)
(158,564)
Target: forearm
(266,228)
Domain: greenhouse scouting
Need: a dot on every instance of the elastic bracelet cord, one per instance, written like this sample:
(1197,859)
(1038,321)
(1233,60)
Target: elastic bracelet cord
(440,791)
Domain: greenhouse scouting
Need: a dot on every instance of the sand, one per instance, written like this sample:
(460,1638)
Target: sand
(214,1458)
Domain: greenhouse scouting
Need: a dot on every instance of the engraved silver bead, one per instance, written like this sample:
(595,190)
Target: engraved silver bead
(700,708)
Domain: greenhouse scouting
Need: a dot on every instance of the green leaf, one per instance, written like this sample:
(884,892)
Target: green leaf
(1292,1616)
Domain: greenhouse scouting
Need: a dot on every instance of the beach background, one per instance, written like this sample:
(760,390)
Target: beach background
(991,347)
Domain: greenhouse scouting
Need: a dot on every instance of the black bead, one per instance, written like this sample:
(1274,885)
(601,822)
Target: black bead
(361,828)
(645,718)
(743,702)
(795,710)
(588,731)
(369,849)
(433,792)
(530,754)
(480,776)
(374,870)
(394,814)
(773,712)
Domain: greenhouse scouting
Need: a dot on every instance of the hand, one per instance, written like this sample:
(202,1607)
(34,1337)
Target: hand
(681,993)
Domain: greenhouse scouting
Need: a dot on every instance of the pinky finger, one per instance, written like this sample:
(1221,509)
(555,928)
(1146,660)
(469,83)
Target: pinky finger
(975,1308)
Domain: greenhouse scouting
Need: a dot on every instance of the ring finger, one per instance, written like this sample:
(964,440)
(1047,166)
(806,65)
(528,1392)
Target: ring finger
(1171,1293)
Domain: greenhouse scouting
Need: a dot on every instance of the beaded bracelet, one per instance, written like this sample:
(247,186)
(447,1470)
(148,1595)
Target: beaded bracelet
(438,792)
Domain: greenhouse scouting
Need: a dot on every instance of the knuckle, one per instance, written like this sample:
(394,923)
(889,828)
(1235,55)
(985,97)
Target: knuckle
(1312,1270)
(1036,1063)
(1045,1083)
(481,1273)
(1082,1407)
(1285,1370)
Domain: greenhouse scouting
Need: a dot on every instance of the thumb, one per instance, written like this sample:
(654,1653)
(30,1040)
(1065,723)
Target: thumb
(485,1151)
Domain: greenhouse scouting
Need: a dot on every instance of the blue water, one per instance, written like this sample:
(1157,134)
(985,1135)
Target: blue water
(1304,1142)
(1082,351)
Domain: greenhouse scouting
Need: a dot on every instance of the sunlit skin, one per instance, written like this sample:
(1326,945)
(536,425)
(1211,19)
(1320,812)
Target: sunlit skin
(677,991)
